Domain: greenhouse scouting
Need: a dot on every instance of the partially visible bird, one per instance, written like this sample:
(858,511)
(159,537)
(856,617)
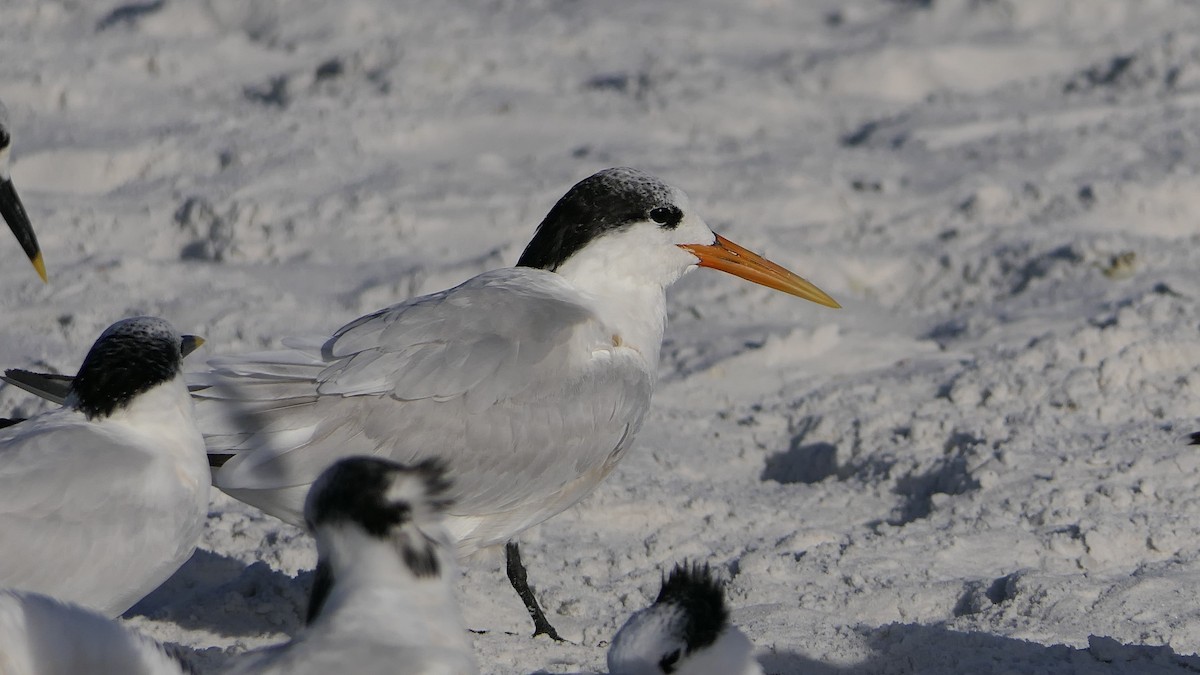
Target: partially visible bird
(686,632)
(42,636)
(383,600)
(10,204)
(103,499)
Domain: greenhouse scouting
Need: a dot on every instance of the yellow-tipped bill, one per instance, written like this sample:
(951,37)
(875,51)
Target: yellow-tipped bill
(189,344)
(728,257)
(40,266)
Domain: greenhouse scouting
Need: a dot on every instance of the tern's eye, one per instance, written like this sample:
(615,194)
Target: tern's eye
(667,216)
(668,662)
(4,139)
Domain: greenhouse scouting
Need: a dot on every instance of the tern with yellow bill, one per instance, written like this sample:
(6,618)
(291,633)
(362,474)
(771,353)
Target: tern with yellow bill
(528,382)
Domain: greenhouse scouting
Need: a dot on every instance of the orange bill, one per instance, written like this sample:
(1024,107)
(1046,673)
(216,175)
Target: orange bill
(728,257)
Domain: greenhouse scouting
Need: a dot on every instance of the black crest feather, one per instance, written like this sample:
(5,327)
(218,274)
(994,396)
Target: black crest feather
(694,589)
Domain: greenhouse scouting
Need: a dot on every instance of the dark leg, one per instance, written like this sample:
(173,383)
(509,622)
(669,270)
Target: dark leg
(517,577)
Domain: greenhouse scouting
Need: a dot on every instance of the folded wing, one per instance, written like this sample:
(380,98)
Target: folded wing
(501,377)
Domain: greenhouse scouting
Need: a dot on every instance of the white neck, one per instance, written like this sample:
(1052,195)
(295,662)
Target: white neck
(165,417)
(165,403)
(731,654)
(375,595)
(626,280)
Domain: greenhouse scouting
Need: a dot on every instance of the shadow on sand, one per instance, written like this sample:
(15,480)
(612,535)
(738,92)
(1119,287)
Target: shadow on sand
(227,597)
(900,649)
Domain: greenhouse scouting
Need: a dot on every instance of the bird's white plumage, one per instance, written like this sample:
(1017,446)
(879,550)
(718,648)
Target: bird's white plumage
(101,511)
(656,640)
(648,636)
(381,614)
(378,621)
(42,636)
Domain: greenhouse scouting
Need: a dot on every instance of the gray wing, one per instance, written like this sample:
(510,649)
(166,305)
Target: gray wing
(510,378)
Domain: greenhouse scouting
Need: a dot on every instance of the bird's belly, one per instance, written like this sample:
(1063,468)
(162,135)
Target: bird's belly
(479,531)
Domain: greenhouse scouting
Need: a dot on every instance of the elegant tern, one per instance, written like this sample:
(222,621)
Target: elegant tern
(42,636)
(10,204)
(686,632)
(383,599)
(103,499)
(529,381)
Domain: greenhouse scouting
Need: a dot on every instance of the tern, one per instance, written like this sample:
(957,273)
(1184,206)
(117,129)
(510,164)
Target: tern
(42,636)
(383,599)
(103,499)
(530,382)
(686,632)
(10,204)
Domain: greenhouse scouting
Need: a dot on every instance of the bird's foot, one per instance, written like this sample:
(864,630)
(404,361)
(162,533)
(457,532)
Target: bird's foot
(520,583)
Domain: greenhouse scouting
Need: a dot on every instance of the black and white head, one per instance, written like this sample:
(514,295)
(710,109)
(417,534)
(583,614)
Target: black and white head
(130,358)
(10,204)
(624,223)
(372,516)
(686,632)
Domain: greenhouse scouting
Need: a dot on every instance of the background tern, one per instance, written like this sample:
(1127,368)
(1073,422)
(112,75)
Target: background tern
(103,499)
(10,204)
(686,632)
(42,636)
(530,381)
(383,599)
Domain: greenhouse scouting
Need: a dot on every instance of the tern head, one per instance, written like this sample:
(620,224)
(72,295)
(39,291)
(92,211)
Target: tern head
(373,516)
(130,357)
(686,631)
(627,222)
(10,204)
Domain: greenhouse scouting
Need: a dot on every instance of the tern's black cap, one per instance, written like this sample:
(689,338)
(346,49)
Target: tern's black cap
(131,357)
(599,204)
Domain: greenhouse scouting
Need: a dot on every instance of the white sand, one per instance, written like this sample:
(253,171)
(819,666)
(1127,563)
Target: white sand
(975,467)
